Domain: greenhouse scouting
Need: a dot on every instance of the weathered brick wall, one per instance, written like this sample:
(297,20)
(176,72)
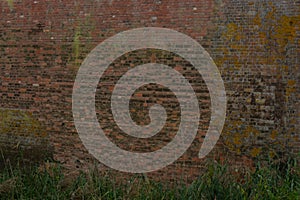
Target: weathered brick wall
(255,45)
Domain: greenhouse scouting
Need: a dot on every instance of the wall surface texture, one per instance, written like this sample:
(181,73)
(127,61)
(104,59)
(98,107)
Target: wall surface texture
(254,43)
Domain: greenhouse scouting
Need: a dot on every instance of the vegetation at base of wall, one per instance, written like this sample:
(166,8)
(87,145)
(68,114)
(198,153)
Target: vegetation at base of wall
(275,181)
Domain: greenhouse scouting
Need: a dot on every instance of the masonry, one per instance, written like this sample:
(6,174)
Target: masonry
(255,45)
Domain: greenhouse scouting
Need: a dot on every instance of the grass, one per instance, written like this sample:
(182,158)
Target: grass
(274,181)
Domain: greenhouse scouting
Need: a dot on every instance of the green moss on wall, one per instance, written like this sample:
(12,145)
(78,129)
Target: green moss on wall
(76,45)
(10,4)
(82,39)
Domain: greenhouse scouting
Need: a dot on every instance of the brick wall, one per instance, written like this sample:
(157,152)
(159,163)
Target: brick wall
(255,45)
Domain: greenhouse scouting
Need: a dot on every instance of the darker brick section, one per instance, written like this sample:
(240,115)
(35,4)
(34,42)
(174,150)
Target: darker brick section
(255,45)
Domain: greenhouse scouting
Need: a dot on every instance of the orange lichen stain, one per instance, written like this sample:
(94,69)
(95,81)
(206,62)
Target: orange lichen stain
(290,88)
(272,14)
(279,74)
(274,32)
(262,38)
(274,134)
(231,30)
(291,83)
(293,121)
(234,50)
(238,137)
(272,154)
(257,20)
(239,37)
(236,63)
(285,31)
(237,140)
(220,61)
(285,68)
(255,152)
(251,130)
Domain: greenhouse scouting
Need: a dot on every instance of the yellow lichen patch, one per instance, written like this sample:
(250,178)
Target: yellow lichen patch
(20,123)
(255,152)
